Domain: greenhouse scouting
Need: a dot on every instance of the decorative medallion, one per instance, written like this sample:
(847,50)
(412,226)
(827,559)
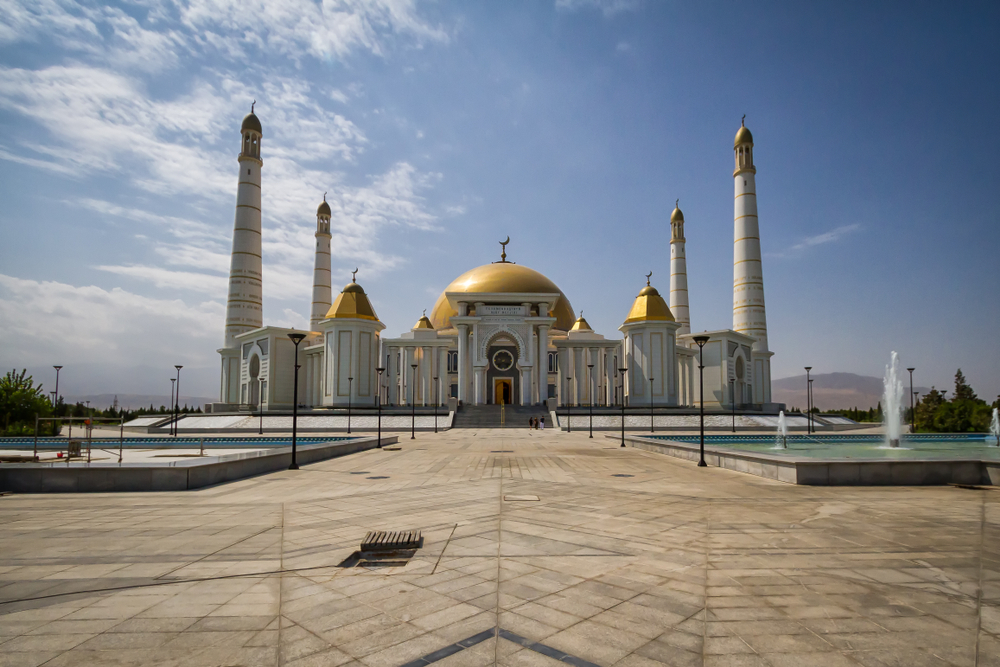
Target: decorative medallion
(503,360)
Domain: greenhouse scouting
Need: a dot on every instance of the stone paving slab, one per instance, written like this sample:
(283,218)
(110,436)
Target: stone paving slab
(672,565)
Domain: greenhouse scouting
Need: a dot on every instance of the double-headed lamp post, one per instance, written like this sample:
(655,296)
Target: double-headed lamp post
(173,385)
(913,421)
(413,402)
(623,371)
(808,400)
(350,386)
(177,404)
(260,404)
(701,340)
(296,338)
(590,385)
(378,403)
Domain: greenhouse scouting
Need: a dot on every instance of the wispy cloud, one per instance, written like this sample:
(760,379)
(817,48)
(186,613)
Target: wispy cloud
(819,239)
(606,7)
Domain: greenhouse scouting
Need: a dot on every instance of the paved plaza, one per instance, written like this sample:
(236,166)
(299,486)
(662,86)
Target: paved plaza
(540,548)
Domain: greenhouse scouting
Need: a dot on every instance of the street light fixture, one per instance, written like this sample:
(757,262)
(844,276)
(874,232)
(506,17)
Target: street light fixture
(350,384)
(916,399)
(177,399)
(701,340)
(812,422)
(808,400)
(437,403)
(913,420)
(569,406)
(413,402)
(58,368)
(652,429)
(173,384)
(732,399)
(623,371)
(378,403)
(260,404)
(590,385)
(296,338)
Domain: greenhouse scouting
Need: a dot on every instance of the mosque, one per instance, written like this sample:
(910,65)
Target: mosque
(499,333)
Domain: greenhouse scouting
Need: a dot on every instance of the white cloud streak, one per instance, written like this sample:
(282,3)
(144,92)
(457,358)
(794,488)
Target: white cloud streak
(820,239)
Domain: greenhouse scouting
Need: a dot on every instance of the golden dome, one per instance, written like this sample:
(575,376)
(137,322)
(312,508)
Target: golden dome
(581,324)
(677,216)
(324,209)
(504,278)
(251,122)
(743,136)
(352,302)
(649,305)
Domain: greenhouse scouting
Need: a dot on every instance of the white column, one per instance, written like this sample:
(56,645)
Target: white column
(410,381)
(526,386)
(463,355)
(243,309)
(426,368)
(543,363)
(322,292)
(478,390)
(392,378)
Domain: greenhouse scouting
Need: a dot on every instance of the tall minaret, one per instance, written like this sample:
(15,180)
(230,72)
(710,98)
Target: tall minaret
(322,294)
(678,272)
(243,311)
(748,276)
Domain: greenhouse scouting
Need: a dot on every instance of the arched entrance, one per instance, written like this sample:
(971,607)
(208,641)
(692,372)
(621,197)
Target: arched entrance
(254,380)
(502,381)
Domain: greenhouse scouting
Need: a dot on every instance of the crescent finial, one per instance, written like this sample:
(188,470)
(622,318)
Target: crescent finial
(324,196)
(742,121)
(503,249)
(425,312)
(354,276)
(677,204)
(648,276)
(252,105)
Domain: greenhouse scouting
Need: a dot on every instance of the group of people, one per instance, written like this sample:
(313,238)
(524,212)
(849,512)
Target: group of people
(536,423)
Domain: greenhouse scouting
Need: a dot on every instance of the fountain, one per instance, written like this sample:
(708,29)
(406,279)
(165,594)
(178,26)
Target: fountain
(995,425)
(892,402)
(781,440)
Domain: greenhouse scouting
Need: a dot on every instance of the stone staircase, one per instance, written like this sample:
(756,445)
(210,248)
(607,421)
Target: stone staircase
(488,416)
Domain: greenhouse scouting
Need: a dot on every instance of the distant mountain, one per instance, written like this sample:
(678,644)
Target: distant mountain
(834,391)
(134,401)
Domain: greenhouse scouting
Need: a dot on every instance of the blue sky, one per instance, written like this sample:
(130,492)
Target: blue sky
(439,128)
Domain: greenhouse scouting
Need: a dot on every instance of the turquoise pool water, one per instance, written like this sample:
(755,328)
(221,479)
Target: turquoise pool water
(845,446)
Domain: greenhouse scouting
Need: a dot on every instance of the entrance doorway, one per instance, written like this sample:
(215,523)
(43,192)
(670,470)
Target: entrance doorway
(502,391)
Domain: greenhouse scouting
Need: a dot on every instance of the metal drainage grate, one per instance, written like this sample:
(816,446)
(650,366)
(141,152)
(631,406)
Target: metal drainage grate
(362,472)
(501,451)
(384,548)
(622,475)
(378,477)
(389,540)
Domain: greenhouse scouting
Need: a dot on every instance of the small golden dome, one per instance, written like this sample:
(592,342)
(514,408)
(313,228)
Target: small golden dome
(423,322)
(649,305)
(581,324)
(677,215)
(324,209)
(354,303)
(743,137)
(251,122)
(504,278)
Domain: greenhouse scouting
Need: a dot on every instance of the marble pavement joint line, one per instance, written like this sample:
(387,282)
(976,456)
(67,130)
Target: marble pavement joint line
(537,647)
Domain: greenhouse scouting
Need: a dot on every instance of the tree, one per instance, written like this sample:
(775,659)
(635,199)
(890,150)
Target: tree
(21,401)
(963,391)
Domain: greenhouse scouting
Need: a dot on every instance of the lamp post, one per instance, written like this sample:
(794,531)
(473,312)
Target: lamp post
(413,402)
(732,399)
(623,371)
(652,429)
(590,384)
(296,338)
(912,419)
(437,403)
(378,402)
(173,382)
(916,399)
(177,398)
(701,340)
(569,406)
(260,404)
(56,400)
(812,424)
(808,400)
(350,384)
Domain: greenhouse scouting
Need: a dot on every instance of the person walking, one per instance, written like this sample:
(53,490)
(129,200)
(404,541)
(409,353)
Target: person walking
(543,423)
